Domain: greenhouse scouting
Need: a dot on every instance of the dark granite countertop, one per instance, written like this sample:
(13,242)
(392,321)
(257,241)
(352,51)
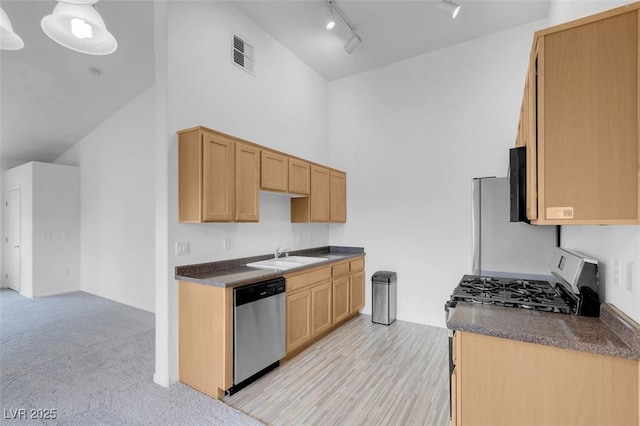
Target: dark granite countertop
(235,273)
(613,334)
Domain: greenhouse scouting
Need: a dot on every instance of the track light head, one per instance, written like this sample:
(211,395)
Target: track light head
(331,21)
(352,43)
(451,8)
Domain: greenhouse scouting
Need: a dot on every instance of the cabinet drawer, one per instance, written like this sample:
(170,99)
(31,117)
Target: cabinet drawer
(340,269)
(357,264)
(300,281)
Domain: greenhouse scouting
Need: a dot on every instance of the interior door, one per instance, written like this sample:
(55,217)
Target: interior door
(12,240)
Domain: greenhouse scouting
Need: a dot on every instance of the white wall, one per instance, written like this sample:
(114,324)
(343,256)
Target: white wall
(49,227)
(284,106)
(117,204)
(56,229)
(604,243)
(411,136)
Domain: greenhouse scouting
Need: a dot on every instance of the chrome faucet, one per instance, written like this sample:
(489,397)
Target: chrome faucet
(280,251)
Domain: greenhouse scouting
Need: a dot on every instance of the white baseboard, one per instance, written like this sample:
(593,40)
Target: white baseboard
(162,380)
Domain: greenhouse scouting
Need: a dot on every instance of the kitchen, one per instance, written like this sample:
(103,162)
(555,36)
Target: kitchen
(411,136)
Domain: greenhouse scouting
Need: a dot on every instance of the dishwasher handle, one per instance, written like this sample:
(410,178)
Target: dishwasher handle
(254,292)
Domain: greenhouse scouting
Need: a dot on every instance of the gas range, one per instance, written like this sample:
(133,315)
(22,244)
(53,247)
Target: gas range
(572,290)
(510,292)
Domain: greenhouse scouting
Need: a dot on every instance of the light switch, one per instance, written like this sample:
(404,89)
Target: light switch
(616,271)
(182,248)
(630,274)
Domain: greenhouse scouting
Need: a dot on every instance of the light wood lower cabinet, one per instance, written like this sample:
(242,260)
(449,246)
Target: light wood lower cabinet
(321,312)
(205,321)
(298,319)
(341,299)
(356,292)
(205,337)
(507,382)
(320,300)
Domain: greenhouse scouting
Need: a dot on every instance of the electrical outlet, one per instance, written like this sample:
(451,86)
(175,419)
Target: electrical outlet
(630,274)
(616,271)
(298,238)
(226,243)
(182,248)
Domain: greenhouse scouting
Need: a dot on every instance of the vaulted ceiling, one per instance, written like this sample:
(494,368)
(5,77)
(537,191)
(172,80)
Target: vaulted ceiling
(50,99)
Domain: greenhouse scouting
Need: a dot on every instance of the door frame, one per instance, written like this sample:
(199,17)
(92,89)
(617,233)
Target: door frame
(14,285)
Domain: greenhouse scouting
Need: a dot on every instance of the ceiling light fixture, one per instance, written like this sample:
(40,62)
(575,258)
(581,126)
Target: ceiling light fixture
(77,25)
(452,9)
(9,40)
(353,42)
(355,39)
(331,21)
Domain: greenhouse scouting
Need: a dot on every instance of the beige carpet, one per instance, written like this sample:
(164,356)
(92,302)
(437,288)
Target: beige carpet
(92,361)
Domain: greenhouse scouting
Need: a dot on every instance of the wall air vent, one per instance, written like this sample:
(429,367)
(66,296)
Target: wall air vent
(242,54)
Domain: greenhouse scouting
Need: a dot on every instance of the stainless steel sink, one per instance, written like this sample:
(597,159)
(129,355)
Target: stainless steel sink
(286,262)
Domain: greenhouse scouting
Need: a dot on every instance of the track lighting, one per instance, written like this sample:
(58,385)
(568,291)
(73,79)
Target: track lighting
(77,25)
(352,43)
(355,39)
(452,9)
(331,22)
(9,40)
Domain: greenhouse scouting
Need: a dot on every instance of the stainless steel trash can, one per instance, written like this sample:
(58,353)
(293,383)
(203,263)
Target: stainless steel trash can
(385,297)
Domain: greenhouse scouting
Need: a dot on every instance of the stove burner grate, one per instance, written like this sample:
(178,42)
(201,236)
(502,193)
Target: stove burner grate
(521,293)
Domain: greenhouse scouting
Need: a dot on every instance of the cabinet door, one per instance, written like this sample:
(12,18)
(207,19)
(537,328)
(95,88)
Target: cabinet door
(568,387)
(530,134)
(588,123)
(190,176)
(274,171)
(217,178)
(298,319)
(340,299)
(338,196)
(356,292)
(321,314)
(319,197)
(299,175)
(247,183)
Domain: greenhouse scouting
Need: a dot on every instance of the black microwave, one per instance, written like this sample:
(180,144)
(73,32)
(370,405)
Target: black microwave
(518,184)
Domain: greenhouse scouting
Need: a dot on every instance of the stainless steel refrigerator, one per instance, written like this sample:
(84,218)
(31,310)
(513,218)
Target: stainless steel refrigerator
(503,248)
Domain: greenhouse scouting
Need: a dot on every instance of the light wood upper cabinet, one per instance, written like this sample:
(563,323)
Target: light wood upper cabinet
(247,183)
(338,196)
(220,178)
(328,198)
(319,209)
(206,176)
(580,121)
(299,176)
(274,171)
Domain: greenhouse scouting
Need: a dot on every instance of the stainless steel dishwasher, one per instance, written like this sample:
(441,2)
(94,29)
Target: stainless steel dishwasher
(258,330)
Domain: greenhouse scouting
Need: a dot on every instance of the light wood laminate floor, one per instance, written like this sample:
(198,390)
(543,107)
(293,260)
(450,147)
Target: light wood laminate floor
(362,373)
